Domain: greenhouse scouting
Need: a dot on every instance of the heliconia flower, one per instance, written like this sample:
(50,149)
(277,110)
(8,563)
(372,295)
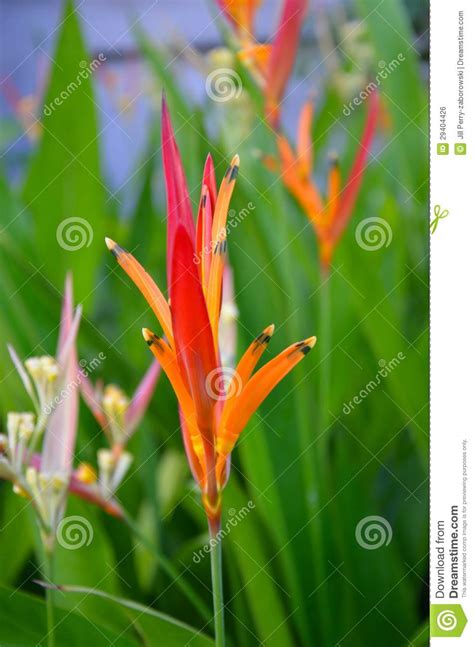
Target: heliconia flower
(87,492)
(330,216)
(83,484)
(52,384)
(118,415)
(213,410)
(241,15)
(119,418)
(270,63)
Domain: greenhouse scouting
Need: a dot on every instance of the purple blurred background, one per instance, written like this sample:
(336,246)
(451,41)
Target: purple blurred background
(125,92)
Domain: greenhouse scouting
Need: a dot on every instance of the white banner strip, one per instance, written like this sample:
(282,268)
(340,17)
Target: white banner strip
(452,322)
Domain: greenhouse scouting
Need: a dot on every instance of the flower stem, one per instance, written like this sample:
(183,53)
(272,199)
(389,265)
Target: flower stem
(217,587)
(169,568)
(325,348)
(323,464)
(49,576)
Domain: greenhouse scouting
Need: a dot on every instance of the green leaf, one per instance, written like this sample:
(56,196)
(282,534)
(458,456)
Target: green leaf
(403,92)
(23,624)
(422,636)
(171,479)
(155,628)
(85,557)
(187,122)
(279,454)
(16,538)
(265,594)
(64,190)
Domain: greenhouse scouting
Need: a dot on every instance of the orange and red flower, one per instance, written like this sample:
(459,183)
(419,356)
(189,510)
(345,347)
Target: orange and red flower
(271,64)
(329,216)
(212,417)
(241,15)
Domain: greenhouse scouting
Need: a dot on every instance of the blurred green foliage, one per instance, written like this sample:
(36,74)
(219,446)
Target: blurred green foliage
(294,570)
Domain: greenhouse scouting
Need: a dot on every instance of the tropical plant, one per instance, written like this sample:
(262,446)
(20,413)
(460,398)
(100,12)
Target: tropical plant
(342,440)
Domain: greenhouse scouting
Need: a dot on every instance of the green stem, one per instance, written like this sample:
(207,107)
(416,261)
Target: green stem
(326,460)
(49,576)
(169,568)
(325,349)
(322,455)
(217,587)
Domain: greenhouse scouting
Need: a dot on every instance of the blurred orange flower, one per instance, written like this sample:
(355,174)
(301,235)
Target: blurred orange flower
(329,216)
(271,64)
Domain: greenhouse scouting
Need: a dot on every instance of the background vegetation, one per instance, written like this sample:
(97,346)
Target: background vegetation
(295,573)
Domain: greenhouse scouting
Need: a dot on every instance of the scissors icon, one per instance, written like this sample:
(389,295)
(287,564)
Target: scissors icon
(438,216)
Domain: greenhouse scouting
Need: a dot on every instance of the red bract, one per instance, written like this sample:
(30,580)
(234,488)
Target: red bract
(212,414)
(282,56)
(271,64)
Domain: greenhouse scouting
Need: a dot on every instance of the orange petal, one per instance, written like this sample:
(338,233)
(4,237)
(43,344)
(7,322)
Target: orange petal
(250,358)
(240,14)
(256,57)
(146,285)
(253,394)
(304,147)
(204,220)
(287,157)
(245,368)
(169,364)
(223,197)
(271,163)
(204,235)
(167,359)
(334,190)
(199,226)
(303,189)
(195,459)
(219,246)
